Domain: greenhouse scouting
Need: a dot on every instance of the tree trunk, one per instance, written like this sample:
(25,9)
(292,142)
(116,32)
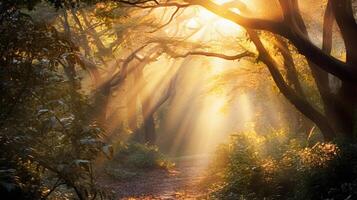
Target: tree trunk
(347,95)
(131,103)
(305,125)
(101,101)
(302,105)
(336,108)
(149,127)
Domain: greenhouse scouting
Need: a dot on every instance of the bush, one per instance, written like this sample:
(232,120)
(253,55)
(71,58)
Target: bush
(275,167)
(130,159)
(140,156)
(47,138)
(335,179)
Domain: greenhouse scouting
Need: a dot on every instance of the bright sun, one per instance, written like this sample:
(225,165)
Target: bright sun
(213,22)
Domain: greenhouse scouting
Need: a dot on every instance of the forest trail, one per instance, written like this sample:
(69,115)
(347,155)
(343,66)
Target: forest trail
(181,182)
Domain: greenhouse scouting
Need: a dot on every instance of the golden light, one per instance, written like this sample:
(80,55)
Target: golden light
(246,108)
(192,24)
(222,1)
(226,27)
(193,110)
(205,14)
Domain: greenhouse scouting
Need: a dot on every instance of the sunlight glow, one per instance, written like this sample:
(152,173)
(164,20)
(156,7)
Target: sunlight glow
(192,24)
(198,119)
(246,108)
(217,24)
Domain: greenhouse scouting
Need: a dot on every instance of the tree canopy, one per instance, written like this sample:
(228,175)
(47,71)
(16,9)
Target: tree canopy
(77,75)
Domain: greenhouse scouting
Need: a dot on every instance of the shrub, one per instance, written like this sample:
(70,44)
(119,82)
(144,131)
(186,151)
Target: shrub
(332,176)
(140,156)
(47,138)
(275,167)
(130,159)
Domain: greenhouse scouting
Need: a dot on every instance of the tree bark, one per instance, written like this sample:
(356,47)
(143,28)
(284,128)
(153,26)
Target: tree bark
(305,125)
(303,106)
(131,102)
(348,92)
(288,30)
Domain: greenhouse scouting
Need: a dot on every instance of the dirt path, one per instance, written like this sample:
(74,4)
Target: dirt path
(179,183)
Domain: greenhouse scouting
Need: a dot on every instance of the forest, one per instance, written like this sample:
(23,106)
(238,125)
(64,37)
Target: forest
(178,99)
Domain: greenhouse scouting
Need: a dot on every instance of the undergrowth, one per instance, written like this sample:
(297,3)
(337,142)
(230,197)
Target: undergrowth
(276,167)
(133,159)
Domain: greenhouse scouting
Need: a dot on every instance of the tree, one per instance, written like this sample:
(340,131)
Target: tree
(338,117)
(339,109)
(47,137)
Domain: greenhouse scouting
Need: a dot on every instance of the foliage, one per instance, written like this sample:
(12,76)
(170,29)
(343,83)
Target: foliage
(138,155)
(48,133)
(46,139)
(335,180)
(275,167)
(133,158)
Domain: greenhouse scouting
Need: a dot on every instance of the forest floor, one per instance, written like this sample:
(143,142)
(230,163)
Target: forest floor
(180,182)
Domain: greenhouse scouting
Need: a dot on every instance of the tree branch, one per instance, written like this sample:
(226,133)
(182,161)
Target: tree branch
(324,61)
(302,105)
